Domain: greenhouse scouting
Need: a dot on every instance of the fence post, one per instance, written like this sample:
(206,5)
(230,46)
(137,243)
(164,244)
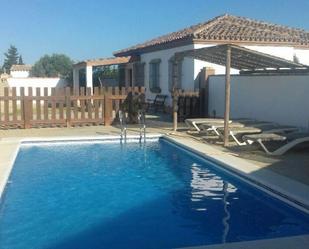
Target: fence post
(26,111)
(6,107)
(107,108)
(68,106)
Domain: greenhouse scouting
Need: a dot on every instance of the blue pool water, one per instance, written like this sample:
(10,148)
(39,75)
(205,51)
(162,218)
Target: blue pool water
(104,195)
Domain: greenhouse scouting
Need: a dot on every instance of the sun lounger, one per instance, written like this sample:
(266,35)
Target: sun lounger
(195,123)
(288,141)
(214,127)
(237,133)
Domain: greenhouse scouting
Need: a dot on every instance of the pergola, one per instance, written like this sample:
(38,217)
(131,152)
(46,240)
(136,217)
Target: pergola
(233,56)
(89,64)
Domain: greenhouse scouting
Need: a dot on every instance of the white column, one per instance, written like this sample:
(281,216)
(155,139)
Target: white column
(89,76)
(75,78)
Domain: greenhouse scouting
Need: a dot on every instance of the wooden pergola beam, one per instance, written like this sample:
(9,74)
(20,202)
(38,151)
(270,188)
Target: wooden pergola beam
(242,58)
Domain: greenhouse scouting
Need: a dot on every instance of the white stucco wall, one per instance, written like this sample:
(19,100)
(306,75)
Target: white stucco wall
(192,67)
(36,82)
(282,99)
(20,74)
(302,55)
(165,55)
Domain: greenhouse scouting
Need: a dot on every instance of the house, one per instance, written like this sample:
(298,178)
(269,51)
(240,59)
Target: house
(156,56)
(149,64)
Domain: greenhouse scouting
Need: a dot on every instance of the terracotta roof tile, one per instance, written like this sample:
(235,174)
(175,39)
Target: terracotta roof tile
(21,67)
(231,29)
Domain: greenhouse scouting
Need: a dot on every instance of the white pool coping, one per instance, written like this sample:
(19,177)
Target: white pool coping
(293,242)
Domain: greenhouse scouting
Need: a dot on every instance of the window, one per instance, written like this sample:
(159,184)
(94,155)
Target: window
(139,73)
(171,74)
(154,76)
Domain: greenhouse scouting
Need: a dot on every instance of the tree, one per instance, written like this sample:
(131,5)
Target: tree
(11,57)
(55,65)
(20,60)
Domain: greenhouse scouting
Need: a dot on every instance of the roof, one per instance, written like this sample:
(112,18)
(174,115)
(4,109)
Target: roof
(21,67)
(227,29)
(106,61)
(241,58)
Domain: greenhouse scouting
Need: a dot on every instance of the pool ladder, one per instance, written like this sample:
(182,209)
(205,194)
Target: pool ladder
(142,125)
(123,126)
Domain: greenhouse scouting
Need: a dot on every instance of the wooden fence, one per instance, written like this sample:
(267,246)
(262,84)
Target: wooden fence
(61,107)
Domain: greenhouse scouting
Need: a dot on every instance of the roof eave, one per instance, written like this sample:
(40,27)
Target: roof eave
(153,48)
(243,42)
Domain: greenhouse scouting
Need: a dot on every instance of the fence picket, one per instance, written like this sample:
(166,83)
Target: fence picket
(82,104)
(68,106)
(89,102)
(96,104)
(46,116)
(22,96)
(75,104)
(38,103)
(60,95)
(6,107)
(14,105)
(30,104)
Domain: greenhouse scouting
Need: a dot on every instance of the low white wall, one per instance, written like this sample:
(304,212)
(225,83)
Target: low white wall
(282,99)
(36,82)
(20,74)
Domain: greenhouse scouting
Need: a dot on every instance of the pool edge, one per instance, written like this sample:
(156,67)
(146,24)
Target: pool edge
(279,187)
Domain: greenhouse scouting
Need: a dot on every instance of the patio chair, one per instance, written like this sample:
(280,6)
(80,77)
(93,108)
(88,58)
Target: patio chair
(287,141)
(238,133)
(157,104)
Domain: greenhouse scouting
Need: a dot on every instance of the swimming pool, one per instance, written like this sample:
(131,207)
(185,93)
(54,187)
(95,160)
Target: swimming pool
(99,194)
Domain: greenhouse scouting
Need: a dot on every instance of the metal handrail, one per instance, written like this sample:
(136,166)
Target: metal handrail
(142,125)
(123,126)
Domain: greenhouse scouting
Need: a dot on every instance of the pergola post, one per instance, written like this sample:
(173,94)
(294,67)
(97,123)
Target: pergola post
(175,94)
(89,76)
(227,95)
(75,78)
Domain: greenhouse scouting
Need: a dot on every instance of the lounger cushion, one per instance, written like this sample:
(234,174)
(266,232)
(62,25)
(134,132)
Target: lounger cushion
(265,137)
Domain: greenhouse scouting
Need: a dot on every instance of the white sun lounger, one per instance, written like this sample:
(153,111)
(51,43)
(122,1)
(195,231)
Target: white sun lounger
(214,127)
(195,123)
(288,141)
(235,133)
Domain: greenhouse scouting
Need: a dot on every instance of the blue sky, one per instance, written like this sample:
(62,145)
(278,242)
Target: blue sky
(85,29)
